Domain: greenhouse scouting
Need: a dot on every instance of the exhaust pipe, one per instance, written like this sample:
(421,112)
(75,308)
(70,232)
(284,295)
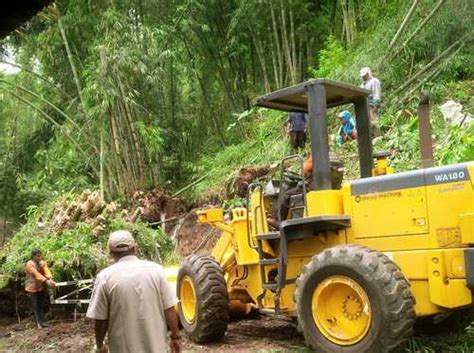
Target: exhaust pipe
(426,142)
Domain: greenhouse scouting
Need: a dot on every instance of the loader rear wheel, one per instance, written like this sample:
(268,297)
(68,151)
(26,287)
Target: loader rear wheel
(353,299)
(203,299)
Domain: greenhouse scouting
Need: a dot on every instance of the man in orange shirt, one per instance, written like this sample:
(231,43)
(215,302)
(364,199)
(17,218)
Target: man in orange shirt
(336,180)
(38,279)
(285,198)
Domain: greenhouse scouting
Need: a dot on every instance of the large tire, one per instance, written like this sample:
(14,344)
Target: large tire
(450,322)
(353,299)
(203,299)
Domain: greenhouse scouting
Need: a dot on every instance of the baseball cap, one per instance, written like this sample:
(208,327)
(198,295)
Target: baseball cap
(121,240)
(364,71)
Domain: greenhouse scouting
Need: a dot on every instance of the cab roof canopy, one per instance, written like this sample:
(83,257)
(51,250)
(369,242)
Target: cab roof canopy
(295,98)
(314,97)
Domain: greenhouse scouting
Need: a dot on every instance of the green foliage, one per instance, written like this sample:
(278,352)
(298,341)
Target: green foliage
(404,143)
(71,252)
(155,100)
(233,203)
(152,244)
(457,145)
(265,143)
(462,342)
(75,253)
(331,57)
(163,95)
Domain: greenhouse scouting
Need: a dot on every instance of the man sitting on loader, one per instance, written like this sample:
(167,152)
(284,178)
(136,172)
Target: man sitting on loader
(286,196)
(336,181)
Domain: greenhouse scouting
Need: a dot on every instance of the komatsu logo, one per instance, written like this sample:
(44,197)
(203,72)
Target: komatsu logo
(446,177)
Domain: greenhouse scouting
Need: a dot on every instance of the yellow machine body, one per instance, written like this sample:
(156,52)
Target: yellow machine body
(422,220)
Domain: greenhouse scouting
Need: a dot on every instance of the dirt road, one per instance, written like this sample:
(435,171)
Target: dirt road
(257,335)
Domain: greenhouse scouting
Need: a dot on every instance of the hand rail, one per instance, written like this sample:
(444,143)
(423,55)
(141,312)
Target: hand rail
(250,189)
(282,169)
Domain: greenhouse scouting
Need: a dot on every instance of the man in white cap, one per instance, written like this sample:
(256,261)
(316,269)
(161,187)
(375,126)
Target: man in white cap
(133,302)
(373,85)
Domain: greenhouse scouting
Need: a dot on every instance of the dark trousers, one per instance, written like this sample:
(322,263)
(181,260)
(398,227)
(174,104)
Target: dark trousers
(39,305)
(298,139)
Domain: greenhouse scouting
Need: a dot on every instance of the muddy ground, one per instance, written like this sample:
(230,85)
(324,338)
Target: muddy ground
(255,335)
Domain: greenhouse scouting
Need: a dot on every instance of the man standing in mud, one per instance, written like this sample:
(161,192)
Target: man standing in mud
(133,302)
(38,279)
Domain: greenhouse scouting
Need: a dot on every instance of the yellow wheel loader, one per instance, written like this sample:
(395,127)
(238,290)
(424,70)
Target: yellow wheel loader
(356,265)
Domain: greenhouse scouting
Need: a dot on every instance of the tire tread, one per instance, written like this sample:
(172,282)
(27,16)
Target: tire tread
(213,301)
(373,266)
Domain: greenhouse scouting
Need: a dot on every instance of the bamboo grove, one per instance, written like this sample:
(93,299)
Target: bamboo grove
(127,95)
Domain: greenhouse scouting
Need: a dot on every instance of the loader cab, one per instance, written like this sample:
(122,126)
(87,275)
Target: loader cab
(314,97)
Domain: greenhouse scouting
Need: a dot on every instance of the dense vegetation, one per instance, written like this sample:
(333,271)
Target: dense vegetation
(125,96)
(129,95)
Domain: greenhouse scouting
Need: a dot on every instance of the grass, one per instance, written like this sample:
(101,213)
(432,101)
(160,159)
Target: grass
(453,343)
(263,143)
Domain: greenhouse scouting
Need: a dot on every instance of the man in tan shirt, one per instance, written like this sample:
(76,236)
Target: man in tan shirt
(38,279)
(133,302)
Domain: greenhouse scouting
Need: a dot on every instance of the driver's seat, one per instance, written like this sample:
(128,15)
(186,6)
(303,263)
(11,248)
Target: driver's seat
(297,201)
(297,206)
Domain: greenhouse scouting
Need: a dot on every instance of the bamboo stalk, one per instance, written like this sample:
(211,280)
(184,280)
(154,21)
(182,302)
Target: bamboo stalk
(70,57)
(116,173)
(166,220)
(54,122)
(397,35)
(293,44)
(418,29)
(113,188)
(113,125)
(300,60)
(22,68)
(403,24)
(428,66)
(275,64)
(286,46)
(126,169)
(353,18)
(430,76)
(101,164)
(261,59)
(187,187)
(127,146)
(67,117)
(138,151)
(345,25)
(277,43)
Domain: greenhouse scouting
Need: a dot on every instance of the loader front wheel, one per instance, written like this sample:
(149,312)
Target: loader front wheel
(353,299)
(203,306)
